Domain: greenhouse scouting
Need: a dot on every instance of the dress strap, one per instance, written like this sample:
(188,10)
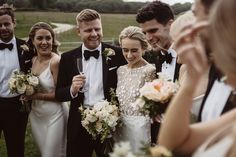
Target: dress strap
(34,59)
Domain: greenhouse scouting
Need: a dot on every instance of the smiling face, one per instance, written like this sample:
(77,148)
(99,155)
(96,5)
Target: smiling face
(7,26)
(157,34)
(132,51)
(42,42)
(91,33)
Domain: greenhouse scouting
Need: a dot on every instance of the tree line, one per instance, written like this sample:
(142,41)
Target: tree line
(103,6)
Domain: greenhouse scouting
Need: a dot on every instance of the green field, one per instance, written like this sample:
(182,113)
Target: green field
(112,25)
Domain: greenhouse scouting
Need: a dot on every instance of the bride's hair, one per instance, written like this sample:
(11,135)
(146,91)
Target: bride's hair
(134,32)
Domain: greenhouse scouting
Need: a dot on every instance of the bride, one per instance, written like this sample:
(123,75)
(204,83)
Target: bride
(131,77)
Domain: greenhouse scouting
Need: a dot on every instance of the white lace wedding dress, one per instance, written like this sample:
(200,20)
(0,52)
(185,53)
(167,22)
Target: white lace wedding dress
(135,128)
(48,120)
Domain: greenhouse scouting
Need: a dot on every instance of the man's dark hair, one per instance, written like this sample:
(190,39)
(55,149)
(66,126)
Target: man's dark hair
(160,11)
(6,9)
(208,4)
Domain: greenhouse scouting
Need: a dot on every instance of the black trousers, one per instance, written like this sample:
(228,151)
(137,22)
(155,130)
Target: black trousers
(155,127)
(13,125)
(79,142)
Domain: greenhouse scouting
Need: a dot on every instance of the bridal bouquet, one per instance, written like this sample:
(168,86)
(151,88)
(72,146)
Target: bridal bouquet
(21,83)
(101,120)
(155,95)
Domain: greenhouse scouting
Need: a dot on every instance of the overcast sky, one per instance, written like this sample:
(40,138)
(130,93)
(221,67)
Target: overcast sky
(166,1)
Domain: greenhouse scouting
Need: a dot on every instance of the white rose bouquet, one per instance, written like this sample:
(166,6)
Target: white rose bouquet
(25,84)
(101,120)
(155,95)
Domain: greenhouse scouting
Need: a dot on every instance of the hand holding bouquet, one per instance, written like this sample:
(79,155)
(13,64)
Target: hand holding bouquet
(155,95)
(101,120)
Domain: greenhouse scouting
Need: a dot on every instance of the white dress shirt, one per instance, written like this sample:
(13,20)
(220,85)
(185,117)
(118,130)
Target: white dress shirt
(216,101)
(9,62)
(169,69)
(93,71)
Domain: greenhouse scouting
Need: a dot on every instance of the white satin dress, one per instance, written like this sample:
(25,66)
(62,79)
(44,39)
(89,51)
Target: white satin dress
(136,127)
(49,120)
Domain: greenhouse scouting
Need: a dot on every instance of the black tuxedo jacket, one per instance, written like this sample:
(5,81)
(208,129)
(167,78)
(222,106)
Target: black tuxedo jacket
(23,56)
(213,75)
(67,69)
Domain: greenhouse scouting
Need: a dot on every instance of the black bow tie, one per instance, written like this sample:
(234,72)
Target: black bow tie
(166,57)
(88,54)
(4,45)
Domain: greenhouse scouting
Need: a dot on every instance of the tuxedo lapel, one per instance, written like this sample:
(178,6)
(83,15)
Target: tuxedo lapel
(158,64)
(75,57)
(104,69)
(20,54)
(177,67)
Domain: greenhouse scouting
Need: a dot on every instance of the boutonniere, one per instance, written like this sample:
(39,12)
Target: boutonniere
(108,52)
(24,48)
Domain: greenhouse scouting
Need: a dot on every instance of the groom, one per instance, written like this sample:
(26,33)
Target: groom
(12,121)
(99,75)
(155,19)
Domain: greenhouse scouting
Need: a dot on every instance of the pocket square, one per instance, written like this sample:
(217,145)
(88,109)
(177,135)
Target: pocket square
(27,61)
(112,68)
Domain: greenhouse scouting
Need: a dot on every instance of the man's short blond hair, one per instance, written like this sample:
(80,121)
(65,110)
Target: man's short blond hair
(87,15)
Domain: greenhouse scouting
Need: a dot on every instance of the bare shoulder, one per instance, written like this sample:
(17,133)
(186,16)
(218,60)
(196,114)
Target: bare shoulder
(55,60)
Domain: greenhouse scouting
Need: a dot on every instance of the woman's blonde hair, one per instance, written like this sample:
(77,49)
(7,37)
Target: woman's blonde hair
(223,35)
(135,33)
(182,21)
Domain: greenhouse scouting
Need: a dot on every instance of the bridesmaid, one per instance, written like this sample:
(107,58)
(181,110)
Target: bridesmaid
(48,117)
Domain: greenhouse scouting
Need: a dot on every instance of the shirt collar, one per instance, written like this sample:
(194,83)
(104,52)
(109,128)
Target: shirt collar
(99,48)
(170,51)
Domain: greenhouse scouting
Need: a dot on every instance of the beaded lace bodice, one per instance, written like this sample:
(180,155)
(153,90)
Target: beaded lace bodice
(129,83)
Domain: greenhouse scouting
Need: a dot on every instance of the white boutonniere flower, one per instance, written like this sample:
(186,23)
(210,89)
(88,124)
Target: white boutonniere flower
(108,52)
(24,48)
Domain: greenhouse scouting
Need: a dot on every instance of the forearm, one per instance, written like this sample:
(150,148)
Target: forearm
(175,128)
(50,96)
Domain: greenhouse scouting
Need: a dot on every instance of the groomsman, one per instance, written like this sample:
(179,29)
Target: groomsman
(89,87)
(155,19)
(12,121)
